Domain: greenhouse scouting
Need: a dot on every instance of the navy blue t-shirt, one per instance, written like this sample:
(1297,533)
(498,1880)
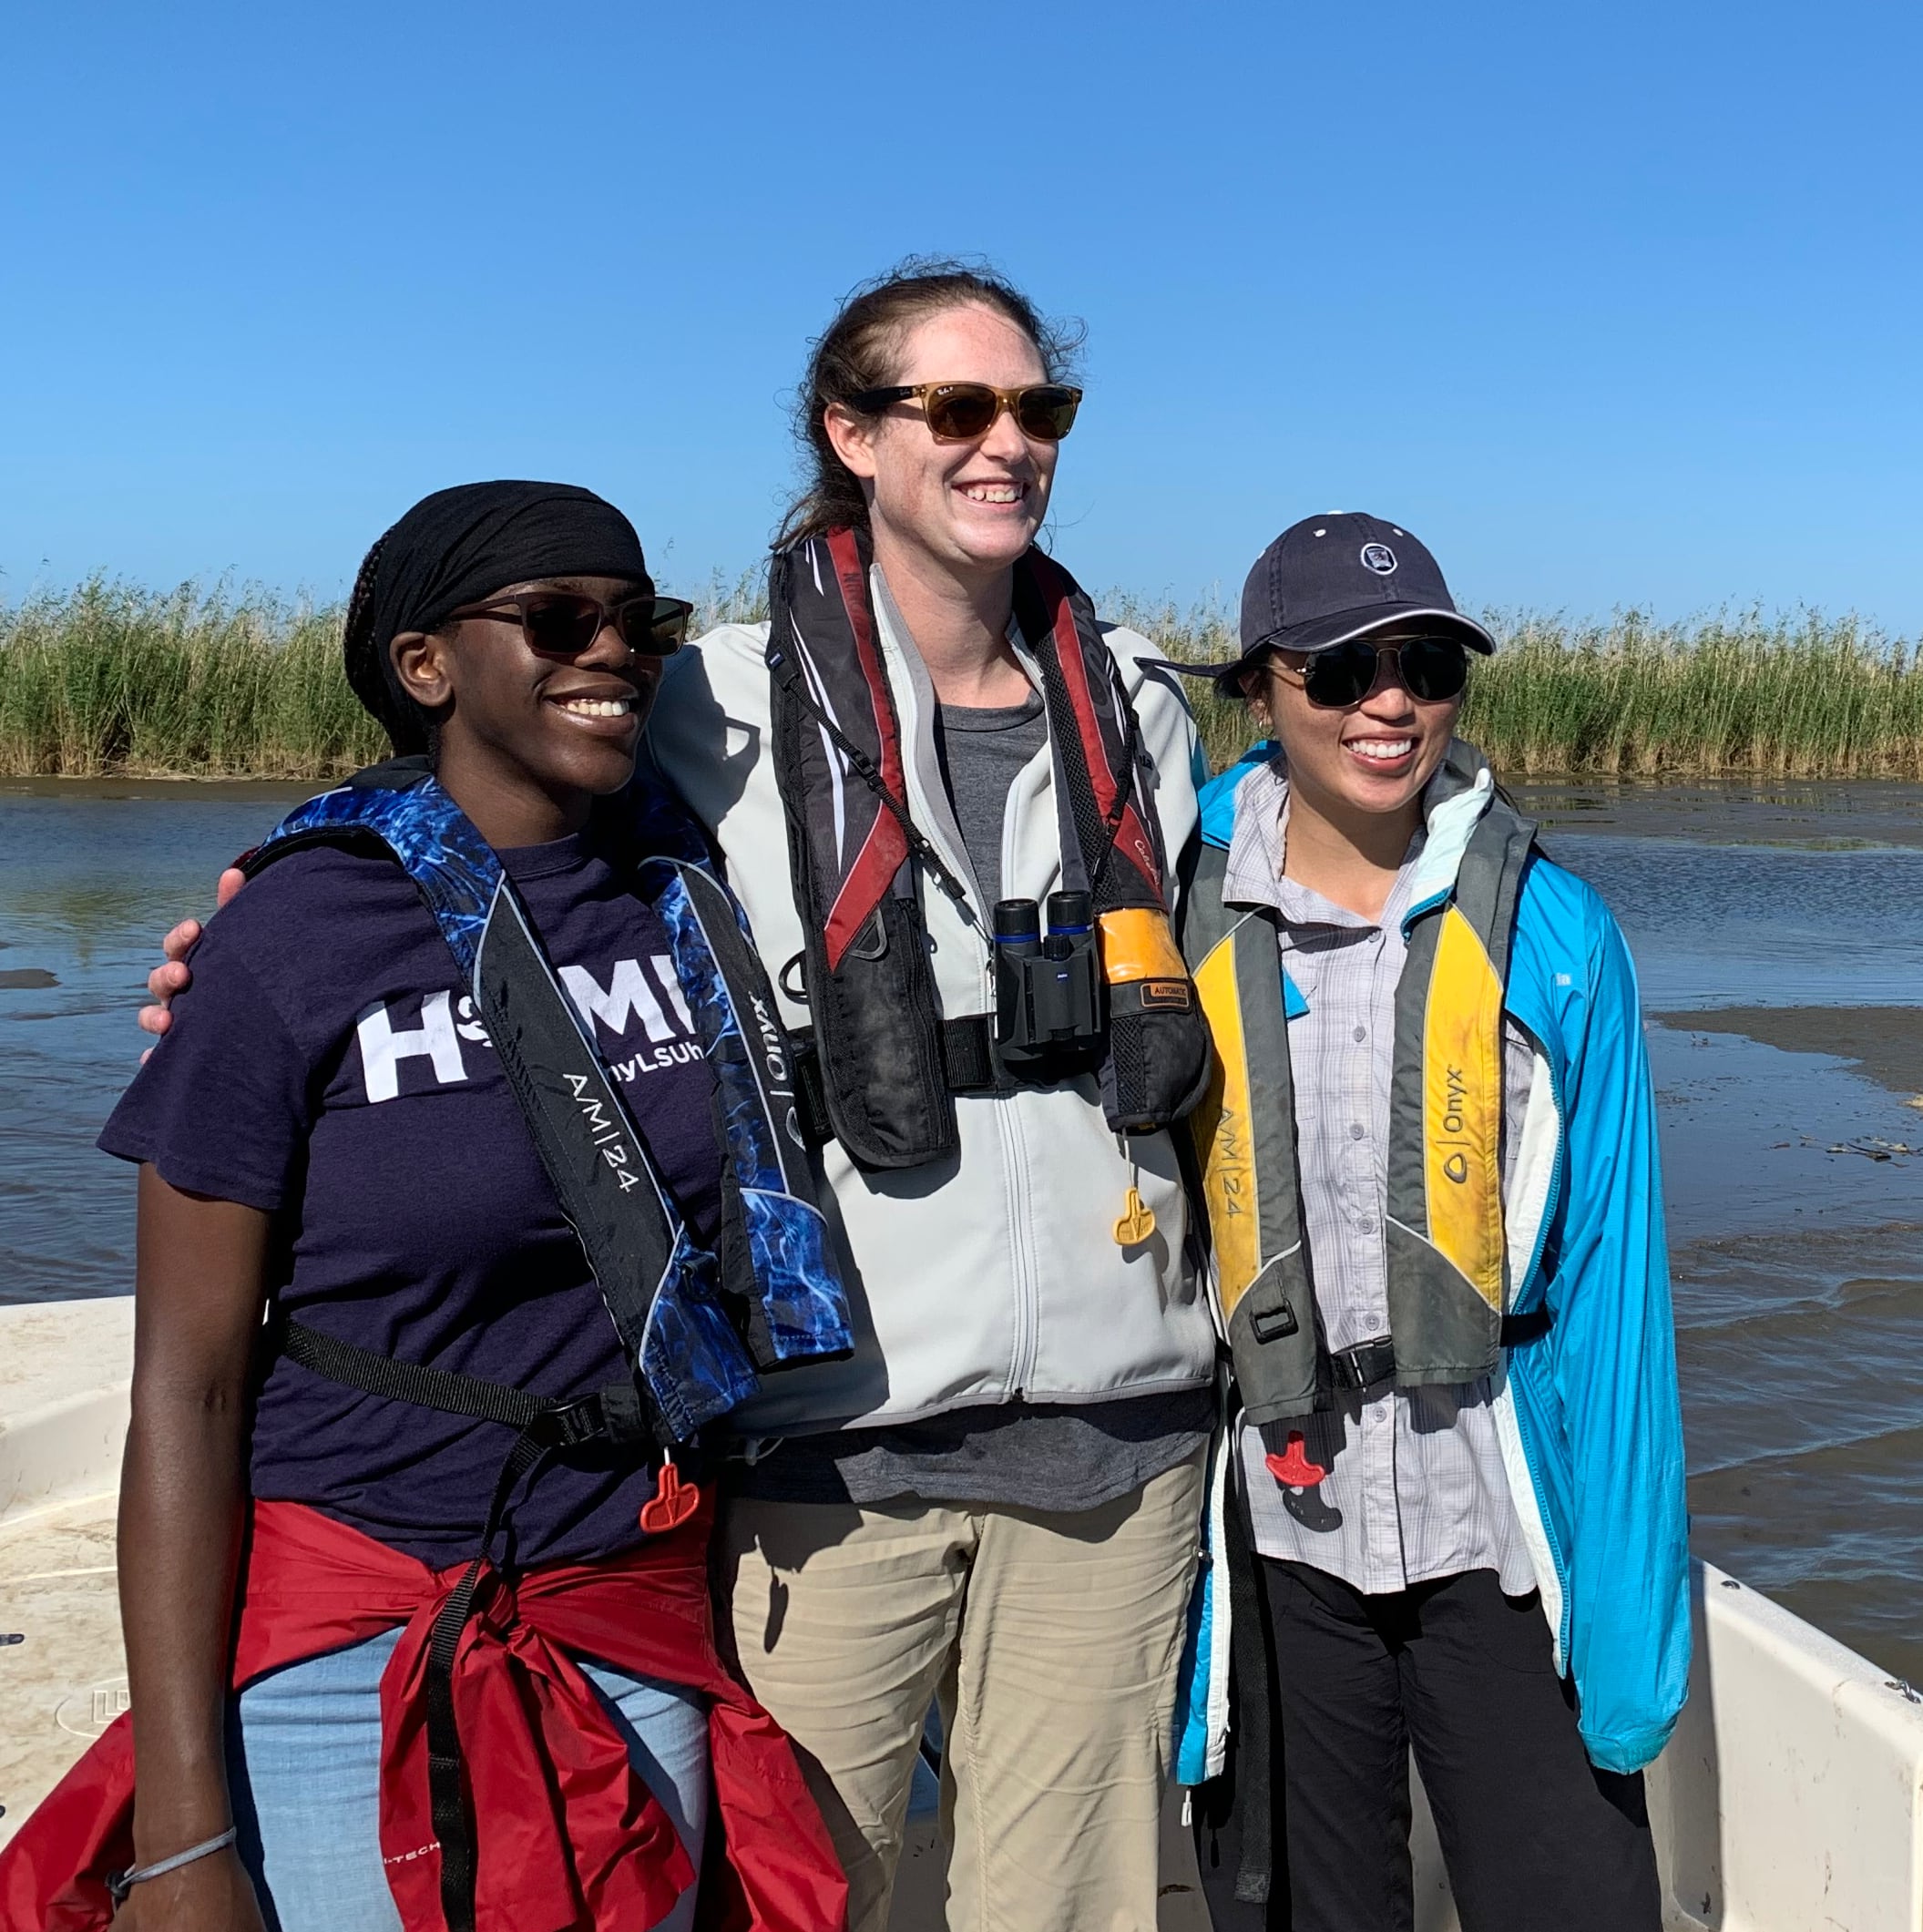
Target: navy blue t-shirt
(326,1066)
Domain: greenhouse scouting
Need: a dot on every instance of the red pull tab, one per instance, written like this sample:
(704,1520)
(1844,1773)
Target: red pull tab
(1291,1468)
(672,1503)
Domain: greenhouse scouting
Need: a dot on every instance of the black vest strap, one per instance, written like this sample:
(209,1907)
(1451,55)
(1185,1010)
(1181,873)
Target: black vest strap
(611,1414)
(969,1065)
(616,1415)
(1369,1364)
(1251,1778)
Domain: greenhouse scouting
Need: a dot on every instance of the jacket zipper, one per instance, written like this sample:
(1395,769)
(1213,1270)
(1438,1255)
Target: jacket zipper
(1550,1201)
(1015,1156)
(1025,1317)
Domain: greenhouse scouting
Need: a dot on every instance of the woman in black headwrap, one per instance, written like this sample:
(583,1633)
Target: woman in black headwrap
(415,1607)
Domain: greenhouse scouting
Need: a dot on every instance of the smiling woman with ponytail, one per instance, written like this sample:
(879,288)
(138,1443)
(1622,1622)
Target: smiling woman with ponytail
(861,352)
(993,1503)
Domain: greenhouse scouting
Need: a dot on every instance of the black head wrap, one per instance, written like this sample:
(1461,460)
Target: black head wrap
(459,547)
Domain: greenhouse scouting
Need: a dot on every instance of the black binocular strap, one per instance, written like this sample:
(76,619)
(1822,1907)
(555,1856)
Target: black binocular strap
(544,1425)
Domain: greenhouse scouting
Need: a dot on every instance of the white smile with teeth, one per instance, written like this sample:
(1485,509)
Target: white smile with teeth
(995,492)
(1386,750)
(595,707)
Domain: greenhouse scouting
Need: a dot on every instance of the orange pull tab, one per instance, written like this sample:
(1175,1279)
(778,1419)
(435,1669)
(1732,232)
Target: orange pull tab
(1292,1468)
(672,1503)
(1137,1222)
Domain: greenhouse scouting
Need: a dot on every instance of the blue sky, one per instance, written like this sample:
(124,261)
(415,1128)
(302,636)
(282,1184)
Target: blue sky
(1611,305)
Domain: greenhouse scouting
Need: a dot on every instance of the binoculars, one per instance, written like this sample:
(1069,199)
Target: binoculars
(1051,1021)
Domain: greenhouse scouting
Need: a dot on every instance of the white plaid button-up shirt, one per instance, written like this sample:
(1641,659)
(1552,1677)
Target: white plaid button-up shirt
(1415,1487)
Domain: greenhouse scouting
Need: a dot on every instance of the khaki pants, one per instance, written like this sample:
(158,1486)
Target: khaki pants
(1051,1641)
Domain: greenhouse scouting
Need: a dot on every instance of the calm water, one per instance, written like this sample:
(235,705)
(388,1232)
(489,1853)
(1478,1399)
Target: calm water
(1799,1272)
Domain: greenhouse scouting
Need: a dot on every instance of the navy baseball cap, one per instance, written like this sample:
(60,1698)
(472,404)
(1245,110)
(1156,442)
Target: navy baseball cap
(1328,580)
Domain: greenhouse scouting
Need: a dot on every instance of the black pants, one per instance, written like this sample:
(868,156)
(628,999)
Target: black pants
(1533,1836)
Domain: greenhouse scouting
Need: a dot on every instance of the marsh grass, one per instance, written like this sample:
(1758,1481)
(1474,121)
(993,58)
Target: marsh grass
(110,678)
(1806,697)
(113,679)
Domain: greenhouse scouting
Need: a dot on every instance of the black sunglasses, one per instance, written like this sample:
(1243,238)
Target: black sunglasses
(1432,668)
(565,623)
(966,412)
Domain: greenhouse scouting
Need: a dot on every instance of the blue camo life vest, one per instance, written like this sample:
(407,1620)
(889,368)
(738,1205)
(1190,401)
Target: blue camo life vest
(697,1328)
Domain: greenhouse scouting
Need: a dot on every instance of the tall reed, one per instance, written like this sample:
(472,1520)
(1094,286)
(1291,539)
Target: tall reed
(1808,697)
(113,679)
(110,678)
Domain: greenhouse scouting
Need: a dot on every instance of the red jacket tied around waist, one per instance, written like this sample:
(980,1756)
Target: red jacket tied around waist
(570,1838)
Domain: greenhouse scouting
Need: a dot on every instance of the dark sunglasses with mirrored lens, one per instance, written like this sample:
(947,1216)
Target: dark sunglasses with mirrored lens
(966,412)
(1434,669)
(565,623)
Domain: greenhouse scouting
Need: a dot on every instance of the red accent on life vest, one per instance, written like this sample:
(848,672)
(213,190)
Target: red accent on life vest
(880,858)
(1130,840)
(1292,1466)
(568,1834)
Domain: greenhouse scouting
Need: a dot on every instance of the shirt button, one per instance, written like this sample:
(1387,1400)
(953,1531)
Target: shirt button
(1362,1033)
(1355,1131)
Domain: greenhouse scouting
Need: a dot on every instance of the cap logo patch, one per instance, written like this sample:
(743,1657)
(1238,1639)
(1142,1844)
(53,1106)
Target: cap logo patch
(1379,558)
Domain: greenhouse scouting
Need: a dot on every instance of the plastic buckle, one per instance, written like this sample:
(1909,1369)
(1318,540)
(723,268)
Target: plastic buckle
(1365,1364)
(574,1423)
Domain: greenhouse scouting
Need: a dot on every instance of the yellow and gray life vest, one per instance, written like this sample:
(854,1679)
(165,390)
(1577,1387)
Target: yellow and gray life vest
(1446,1257)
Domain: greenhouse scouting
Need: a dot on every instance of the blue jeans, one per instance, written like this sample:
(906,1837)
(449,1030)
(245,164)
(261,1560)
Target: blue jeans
(303,1758)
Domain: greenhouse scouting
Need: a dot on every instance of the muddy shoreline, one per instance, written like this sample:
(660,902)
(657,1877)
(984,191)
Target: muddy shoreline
(1819,815)
(273,794)
(1882,1043)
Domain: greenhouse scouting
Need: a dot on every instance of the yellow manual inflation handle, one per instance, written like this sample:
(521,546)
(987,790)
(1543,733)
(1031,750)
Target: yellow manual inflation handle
(1137,1222)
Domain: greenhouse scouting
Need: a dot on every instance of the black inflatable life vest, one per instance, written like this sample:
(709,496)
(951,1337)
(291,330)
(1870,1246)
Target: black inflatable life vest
(890,1062)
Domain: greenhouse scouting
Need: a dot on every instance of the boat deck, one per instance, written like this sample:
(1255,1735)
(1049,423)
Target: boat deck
(1791,1795)
(62,1677)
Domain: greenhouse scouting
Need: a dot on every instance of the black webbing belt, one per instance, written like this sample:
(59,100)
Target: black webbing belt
(1368,1364)
(615,1414)
(1527,1327)
(969,1064)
